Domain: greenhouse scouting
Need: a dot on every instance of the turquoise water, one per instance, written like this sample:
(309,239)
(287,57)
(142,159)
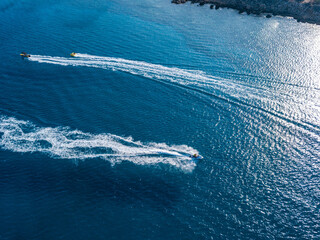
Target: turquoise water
(97,146)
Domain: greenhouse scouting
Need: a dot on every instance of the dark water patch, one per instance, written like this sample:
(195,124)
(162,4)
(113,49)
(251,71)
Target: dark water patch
(6,5)
(42,144)
(89,179)
(78,136)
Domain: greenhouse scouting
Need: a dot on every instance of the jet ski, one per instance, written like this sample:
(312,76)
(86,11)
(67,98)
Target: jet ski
(23,54)
(196,156)
(73,54)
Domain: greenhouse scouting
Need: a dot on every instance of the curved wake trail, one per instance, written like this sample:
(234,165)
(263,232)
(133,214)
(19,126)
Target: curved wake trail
(160,72)
(62,142)
(276,102)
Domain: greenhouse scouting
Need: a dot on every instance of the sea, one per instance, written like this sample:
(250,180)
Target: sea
(98,146)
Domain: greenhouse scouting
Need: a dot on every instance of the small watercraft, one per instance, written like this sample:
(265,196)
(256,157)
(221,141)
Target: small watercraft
(73,54)
(23,54)
(196,156)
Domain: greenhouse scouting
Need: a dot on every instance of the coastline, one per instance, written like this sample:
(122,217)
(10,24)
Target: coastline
(303,11)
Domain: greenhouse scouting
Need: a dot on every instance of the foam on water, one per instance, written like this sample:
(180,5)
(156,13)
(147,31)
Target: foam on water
(159,72)
(275,101)
(63,142)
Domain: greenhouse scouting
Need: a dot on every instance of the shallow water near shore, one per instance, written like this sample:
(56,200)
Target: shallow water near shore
(97,146)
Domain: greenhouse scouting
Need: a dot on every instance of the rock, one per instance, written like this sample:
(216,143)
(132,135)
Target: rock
(305,11)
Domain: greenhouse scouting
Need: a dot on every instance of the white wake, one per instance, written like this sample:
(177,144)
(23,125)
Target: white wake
(155,71)
(63,142)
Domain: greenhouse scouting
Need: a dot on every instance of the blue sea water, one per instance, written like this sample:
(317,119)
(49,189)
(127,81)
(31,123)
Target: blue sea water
(97,146)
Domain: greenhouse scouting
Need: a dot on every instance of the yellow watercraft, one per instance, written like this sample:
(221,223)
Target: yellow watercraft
(23,54)
(73,54)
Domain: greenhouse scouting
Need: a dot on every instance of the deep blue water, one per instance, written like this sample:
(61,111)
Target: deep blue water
(97,146)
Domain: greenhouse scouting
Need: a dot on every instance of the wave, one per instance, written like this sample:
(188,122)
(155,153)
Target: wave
(63,142)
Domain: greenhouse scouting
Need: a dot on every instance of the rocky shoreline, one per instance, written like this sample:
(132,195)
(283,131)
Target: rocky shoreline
(301,10)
